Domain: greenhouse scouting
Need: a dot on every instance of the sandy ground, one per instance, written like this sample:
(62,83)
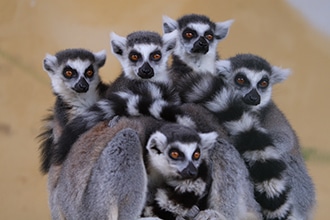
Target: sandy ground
(30,29)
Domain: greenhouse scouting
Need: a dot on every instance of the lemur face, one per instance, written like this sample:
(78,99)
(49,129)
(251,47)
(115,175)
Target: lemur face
(197,34)
(197,38)
(144,55)
(74,70)
(177,152)
(251,78)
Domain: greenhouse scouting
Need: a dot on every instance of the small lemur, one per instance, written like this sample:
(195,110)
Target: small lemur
(77,86)
(143,88)
(196,50)
(265,138)
(178,173)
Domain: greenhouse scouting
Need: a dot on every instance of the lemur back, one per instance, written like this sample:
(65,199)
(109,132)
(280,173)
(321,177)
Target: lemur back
(76,83)
(143,88)
(266,140)
(179,177)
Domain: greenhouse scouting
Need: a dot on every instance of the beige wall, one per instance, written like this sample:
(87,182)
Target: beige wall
(30,29)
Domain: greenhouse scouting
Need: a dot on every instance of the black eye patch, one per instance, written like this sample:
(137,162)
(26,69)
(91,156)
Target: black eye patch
(69,72)
(134,56)
(189,33)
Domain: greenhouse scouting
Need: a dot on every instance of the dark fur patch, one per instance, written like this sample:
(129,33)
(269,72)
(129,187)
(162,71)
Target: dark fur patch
(144,37)
(250,61)
(274,203)
(46,146)
(195,18)
(70,134)
(64,55)
(251,140)
(266,170)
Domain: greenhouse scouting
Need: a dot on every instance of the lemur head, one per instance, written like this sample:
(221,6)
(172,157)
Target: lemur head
(251,78)
(74,71)
(144,54)
(197,34)
(176,151)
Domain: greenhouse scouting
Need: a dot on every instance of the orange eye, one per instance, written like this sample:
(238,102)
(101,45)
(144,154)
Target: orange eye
(196,155)
(134,57)
(240,80)
(68,73)
(175,154)
(156,56)
(188,35)
(209,36)
(89,73)
(263,84)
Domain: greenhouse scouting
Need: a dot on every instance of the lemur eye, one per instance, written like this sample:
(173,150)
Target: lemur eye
(209,36)
(263,83)
(134,56)
(89,73)
(196,155)
(189,35)
(156,56)
(68,73)
(174,154)
(240,80)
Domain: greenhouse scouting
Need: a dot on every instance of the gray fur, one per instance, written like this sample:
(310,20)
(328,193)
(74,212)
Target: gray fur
(108,194)
(73,95)
(169,178)
(198,52)
(231,192)
(265,116)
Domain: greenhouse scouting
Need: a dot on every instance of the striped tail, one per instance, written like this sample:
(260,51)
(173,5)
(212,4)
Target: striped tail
(266,167)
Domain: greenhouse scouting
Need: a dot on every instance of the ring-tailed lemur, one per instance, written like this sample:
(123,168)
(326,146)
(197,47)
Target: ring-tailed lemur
(77,86)
(196,50)
(178,173)
(265,139)
(144,87)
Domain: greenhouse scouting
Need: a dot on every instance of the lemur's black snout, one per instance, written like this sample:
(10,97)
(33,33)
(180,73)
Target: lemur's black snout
(252,98)
(146,71)
(189,172)
(81,86)
(200,46)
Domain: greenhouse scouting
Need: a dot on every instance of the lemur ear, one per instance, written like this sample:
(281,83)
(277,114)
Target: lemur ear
(223,68)
(279,74)
(49,64)
(118,44)
(169,24)
(208,139)
(169,40)
(156,143)
(100,58)
(222,29)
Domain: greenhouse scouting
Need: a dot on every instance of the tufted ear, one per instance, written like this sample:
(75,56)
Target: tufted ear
(118,45)
(222,29)
(156,143)
(279,74)
(169,24)
(100,58)
(208,139)
(223,68)
(50,64)
(169,40)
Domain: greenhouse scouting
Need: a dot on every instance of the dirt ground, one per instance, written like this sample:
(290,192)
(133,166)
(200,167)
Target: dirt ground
(30,29)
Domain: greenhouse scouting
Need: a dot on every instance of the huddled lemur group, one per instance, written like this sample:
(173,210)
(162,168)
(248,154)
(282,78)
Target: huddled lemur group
(199,139)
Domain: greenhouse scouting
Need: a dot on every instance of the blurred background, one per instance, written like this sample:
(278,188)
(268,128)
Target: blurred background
(293,34)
